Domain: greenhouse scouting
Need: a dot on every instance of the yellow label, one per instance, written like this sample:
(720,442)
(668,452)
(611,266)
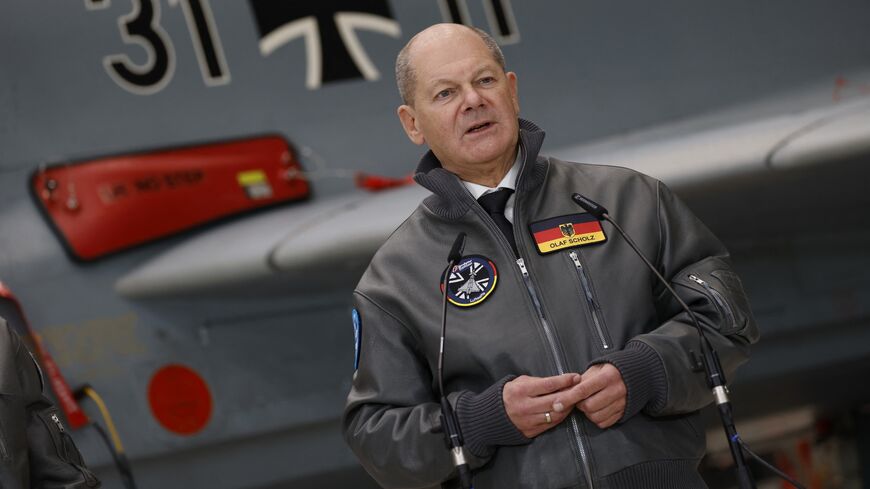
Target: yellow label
(251,177)
(570,241)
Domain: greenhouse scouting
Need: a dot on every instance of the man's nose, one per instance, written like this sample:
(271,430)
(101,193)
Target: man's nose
(472,99)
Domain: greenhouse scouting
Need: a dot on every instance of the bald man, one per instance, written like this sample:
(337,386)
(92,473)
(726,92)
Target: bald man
(568,365)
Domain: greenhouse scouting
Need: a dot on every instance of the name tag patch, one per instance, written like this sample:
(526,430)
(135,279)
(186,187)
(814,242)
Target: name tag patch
(572,230)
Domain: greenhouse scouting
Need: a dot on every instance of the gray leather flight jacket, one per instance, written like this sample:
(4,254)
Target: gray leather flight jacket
(36,451)
(547,314)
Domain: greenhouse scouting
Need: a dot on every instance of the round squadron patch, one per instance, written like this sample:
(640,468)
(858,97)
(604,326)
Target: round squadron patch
(471,281)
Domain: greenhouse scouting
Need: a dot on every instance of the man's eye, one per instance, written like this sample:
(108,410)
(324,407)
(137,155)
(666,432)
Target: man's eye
(443,94)
(487,80)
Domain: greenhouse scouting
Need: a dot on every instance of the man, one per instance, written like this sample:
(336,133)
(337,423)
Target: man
(36,451)
(568,365)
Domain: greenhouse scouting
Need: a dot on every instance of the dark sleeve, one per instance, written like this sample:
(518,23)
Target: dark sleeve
(660,367)
(392,417)
(53,458)
(55,461)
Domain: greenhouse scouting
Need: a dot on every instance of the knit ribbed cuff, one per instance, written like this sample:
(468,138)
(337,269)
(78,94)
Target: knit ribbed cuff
(643,374)
(485,424)
(661,474)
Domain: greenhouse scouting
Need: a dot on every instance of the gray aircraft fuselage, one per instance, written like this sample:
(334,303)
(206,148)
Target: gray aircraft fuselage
(84,79)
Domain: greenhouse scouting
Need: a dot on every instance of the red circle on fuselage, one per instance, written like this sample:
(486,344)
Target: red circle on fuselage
(179,399)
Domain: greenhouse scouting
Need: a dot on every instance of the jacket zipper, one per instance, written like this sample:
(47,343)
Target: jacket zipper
(57,422)
(594,308)
(54,434)
(61,448)
(717,298)
(551,340)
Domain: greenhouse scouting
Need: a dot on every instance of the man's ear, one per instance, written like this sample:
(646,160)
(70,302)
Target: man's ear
(409,122)
(512,83)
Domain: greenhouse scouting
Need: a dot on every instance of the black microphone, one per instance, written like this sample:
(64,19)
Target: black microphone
(712,367)
(448,418)
(456,250)
(589,206)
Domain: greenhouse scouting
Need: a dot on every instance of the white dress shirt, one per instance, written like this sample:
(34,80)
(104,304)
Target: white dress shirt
(509,181)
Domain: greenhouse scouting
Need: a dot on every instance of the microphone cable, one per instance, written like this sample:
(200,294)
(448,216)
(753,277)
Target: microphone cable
(112,440)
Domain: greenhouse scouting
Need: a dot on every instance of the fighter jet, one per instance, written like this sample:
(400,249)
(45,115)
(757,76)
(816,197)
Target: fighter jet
(190,189)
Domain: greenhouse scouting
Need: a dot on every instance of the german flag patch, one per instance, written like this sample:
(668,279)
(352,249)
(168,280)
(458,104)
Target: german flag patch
(559,233)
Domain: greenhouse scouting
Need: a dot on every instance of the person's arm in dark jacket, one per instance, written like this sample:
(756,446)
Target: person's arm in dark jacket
(392,417)
(40,453)
(659,367)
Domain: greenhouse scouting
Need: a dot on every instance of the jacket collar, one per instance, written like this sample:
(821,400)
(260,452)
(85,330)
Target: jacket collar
(10,383)
(451,200)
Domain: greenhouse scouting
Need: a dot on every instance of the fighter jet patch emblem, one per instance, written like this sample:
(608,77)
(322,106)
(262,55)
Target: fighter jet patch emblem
(559,233)
(471,281)
(357,338)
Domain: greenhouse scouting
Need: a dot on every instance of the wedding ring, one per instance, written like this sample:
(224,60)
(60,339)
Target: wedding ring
(548,418)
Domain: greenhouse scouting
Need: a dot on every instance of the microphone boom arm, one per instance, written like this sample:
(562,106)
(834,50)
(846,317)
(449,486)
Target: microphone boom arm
(449,422)
(709,357)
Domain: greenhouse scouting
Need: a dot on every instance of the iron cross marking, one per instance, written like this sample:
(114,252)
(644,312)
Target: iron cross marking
(500,13)
(332,49)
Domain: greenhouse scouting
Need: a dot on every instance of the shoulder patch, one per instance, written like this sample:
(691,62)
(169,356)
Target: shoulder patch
(572,230)
(471,281)
(357,337)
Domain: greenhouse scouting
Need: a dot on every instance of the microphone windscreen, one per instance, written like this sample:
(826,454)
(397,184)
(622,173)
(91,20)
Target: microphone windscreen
(456,250)
(589,205)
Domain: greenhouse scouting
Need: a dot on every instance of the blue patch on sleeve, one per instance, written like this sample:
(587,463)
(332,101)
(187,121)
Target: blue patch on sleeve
(357,337)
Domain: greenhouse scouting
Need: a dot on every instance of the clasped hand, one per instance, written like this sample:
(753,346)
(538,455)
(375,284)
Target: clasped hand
(536,404)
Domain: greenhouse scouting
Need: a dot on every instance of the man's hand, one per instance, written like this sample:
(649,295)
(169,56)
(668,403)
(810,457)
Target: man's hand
(603,395)
(528,400)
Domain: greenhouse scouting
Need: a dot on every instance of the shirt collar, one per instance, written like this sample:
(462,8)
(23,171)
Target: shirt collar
(509,180)
(451,200)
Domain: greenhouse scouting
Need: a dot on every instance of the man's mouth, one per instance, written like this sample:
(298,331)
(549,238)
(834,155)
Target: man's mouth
(479,127)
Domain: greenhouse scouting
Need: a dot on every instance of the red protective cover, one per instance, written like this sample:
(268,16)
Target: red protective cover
(108,204)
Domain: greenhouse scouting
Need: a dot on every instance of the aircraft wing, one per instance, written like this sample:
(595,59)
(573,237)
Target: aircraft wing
(320,245)
(306,247)
(740,142)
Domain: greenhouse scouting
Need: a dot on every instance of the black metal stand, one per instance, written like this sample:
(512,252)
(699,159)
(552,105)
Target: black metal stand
(709,357)
(715,377)
(449,423)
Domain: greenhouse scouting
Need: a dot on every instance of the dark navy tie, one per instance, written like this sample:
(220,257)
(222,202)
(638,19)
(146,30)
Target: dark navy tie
(494,203)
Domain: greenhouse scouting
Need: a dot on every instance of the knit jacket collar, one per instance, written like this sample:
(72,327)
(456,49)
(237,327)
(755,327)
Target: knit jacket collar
(451,200)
